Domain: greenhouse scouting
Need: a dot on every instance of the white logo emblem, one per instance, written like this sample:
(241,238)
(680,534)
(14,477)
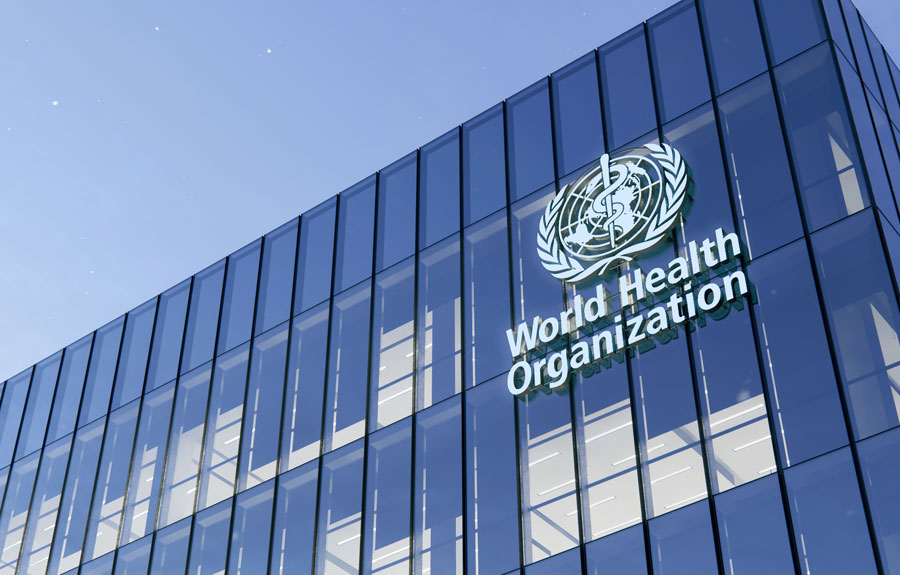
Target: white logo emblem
(618,208)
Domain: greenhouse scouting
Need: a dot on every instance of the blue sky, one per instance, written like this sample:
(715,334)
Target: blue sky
(142,141)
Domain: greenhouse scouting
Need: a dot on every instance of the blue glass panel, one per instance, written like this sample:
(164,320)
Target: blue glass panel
(733,42)
(250,531)
(799,374)
(348,367)
(487,297)
(387,513)
(203,317)
(492,519)
(879,459)
(356,235)
(14,396)
(824,150)
(302,432)
(621,553)
(439,189)
(340,510)
(16,508)
(168,334)
(396,212)
(679,64)
(884,75)
(792,26)
(682,542)
(484,165)
(295,521)
(864,321)
(210,540)
(239,296)
(393,343)
(134,559)
(836,27)
(860,48)
(45,506)
(313,283)
(568,562)
(891,160)
(828,516)
(105,352)
(276,283)
(76,499)
(69,388)
(438,494)
(439,329)
(135,352)
(170,549)
(752,529)
(627,90)
(101,566)
(765,199)
(37,411)
(259,444)
(529,140)
(578,121)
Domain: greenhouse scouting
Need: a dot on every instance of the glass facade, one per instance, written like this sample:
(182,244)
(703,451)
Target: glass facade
(332,397)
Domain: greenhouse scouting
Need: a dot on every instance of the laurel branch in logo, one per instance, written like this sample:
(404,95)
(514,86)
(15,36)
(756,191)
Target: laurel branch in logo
(565,267)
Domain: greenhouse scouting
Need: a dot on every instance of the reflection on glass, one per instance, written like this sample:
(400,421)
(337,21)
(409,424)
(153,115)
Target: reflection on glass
(37,411)
(529,140)
(95,402)
(621,552)
(135,353)
(340,512)
(879,459)
(16,508)
(578,121)
(295,521)
(203,317)
(101,566)
(484,165)
(134,559)
(170,549)
(167,335)
(44,508)
(210,540)
(681,543)
(396,212)
(627,90)
(276,285)
(733,42)
(791,26)
(568,562)
(239,297)
(355,237)
(313,281)
(68,390)
(14,396)
(439,189)
(249,554)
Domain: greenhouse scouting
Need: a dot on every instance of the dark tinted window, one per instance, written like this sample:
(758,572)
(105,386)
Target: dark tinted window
(879,458)
(860,49)
(439,189)
(484,165)
(529,140)
(733,42)
(622,552)
(396,212)
(627,90)
(681,542)
(792,26)
(568,562)
(576,112)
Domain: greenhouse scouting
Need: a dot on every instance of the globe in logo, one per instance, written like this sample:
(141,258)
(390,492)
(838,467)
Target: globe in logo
(617,209)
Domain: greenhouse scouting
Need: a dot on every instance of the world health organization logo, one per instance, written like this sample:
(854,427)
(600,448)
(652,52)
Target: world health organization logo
(617,209)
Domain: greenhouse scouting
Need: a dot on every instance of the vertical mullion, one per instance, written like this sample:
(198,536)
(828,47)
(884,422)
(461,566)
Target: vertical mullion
(463,386)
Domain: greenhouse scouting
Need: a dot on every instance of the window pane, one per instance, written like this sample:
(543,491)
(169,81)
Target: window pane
(259,445)
(240,293)
(392,346)
(112,481)
(824,151)
(884,75)
(170,549)
(529,140)
(355,237)
(147,464)
(102,566)
(837,29)
(804,396)
(864,319)
(183,459)
(313,283)
(569,562)
(345,402)
(492,522)
(277,277)
(484,165)
(879,458)
(539,294)
(682,542)
(295,522)
(438,491)
(733,42)
(76,499)
(858,39)
(439,189)
(250,533)
(14,396)
(765,199)
(37,411)
(167,335)
(576,111)
(135,352)
(622,552)
(104,354)
(223,435)
(439,341)
(209,548)
(396,212)
(388,476)
(45,508)
(302,432)
(134,559)
(679,65)
(69,388)
(486,289)
(792,26)
(752,529)
(627,91)
(340,506)
(610,493)
(828,517)
(203,318)
(16,507)
(891,158)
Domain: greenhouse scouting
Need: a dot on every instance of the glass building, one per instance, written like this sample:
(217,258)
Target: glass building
(332,398)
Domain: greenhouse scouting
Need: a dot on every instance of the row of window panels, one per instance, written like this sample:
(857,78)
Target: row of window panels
(805,407)
(828,173)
